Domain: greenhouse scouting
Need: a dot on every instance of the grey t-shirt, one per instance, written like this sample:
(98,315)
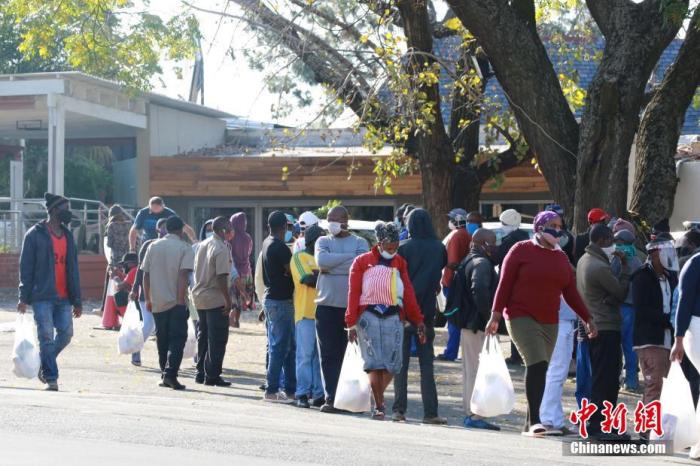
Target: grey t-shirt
(334,257)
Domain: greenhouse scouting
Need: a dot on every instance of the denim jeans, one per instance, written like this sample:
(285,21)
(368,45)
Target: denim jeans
(584,377)
(280,321)
(428,389)
(50,315)
(308,366)
(453,334)
(631,361)
(149,325)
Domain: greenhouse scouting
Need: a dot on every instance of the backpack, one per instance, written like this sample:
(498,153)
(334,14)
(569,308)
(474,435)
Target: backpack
(459,306)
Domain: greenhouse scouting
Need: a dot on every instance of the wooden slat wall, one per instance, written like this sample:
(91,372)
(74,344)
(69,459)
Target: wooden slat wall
(262,177)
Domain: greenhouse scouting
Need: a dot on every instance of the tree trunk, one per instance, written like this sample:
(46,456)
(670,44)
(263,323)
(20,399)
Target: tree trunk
(636,36)
(655,178)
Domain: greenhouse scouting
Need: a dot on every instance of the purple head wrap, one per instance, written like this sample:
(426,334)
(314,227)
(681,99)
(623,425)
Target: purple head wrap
(542,219)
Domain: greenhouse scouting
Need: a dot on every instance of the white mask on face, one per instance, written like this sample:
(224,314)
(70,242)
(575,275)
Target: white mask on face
(609,251)
(508,229)
(335,228)
(387,255)
(451,225)
(208,234)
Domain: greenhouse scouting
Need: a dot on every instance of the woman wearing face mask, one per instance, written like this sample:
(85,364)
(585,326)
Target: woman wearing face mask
(380,298)
(652,291)
(534,276)
(206,230)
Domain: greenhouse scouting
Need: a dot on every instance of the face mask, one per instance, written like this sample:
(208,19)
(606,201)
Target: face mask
(609,251)
(387,255)
(563,240)
(162,232)
(628,249)
(472,227)
(208,234)
(553,232)
(508,229)
(335,228)
(288,236)
(451,225)
(65,216)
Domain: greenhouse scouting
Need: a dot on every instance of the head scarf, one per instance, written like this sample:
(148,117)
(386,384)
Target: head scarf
(542,219)
(386,232)
(241,245)
(203,230)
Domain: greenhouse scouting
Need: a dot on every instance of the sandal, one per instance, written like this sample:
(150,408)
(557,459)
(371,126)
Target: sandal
(552,432)
(379,413)
(536,430)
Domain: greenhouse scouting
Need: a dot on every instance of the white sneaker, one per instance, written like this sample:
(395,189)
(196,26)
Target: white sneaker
(279,397)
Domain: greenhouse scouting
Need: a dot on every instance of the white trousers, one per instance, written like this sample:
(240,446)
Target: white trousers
(551,410)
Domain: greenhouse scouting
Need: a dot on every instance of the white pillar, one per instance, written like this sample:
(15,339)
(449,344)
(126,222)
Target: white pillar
(57,136)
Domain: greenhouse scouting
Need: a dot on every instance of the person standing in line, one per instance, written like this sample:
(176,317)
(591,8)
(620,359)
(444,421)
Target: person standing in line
(474,221)
(334,254)
(116,244)
(279,310)
(241,249)
(138,293)
(166,269)
(212,266)
(595,216)
(481,282)
(146,220)
(308,368)
(306,220)
(49,281)
(534,276)
(380,299)
(603,294)
(510,224)
(457,245)
(425,256)
(652,293)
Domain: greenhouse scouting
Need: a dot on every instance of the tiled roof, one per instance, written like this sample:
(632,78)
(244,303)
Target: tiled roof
(585,67)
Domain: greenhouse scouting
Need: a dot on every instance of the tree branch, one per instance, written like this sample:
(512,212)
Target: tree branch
(501,163)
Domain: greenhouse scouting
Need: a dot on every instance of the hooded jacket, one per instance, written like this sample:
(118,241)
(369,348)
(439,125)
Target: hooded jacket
(426,256)
(242,244)
(37,281)
(602,292)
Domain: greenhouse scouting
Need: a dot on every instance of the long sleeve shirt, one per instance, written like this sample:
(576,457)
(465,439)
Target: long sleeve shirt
(688,295)
(334,256)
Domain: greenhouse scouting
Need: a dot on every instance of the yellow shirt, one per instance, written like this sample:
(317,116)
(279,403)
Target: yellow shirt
(303,264)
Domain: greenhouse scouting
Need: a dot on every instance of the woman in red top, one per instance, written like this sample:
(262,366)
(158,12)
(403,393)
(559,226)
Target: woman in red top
(534,275)
(380,298)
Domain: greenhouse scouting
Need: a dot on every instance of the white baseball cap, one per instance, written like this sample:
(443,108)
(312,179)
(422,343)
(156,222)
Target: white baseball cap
(510,217)
(306,219)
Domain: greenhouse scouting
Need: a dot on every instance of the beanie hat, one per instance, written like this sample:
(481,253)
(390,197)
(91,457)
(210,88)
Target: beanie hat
(621,224)
(510,217)
(174,223)
(53,200)
(277,219)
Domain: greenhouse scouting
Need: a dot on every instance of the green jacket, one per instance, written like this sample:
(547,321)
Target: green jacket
(602,292)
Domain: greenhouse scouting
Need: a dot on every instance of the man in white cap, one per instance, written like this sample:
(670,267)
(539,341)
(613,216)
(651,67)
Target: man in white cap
(306,219)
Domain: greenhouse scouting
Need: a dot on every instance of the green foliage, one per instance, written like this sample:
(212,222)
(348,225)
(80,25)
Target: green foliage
(322,212)
(111,39)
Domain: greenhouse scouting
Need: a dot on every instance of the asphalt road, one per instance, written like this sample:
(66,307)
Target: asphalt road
(110,413)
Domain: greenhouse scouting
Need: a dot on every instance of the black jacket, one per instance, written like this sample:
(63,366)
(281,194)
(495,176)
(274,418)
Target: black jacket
(482,281)
(580,244)
(650,321)
(37,280)
(426,257)
(509,241)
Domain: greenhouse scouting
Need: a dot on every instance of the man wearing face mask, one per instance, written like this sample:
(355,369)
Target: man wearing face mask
(510,224)
(603,294)
(334,255)
(49,281)
(457,245)
(652,291)
(482,280)
(212,265)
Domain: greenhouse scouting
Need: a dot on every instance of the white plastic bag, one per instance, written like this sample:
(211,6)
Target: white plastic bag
(353,385)
(678,416)
(131,334)
(25,352)
(493,390)
(190,350)
(112,287)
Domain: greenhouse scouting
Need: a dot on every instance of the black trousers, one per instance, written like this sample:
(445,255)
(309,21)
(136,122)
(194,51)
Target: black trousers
(212,338)
(606,365)
(428,390)
(693,378)
(332,341)
(171,336)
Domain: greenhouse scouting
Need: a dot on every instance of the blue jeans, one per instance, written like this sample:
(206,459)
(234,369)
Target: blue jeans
(50,315)
(149,325)
(308,365)
(280,321)
(631,362)
(584,374)
(453,335)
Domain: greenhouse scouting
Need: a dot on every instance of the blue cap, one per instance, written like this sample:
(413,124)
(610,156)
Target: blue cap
(556,208)
(458,215)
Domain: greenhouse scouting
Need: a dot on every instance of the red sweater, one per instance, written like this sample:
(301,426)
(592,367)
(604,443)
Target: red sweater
(532,281)
(410,307)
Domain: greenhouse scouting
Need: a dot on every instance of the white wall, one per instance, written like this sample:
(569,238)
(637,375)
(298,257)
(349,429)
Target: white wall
(687,203)
(174,131)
